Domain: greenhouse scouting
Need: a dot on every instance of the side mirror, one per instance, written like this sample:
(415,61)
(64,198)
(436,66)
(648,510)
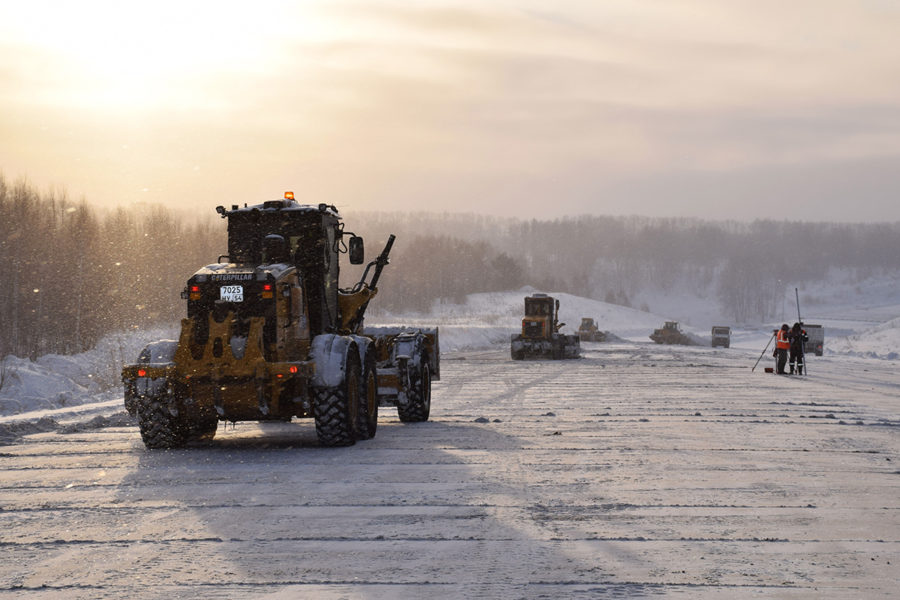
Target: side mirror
(357,251)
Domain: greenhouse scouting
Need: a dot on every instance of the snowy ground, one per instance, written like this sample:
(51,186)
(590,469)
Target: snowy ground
(636,471)
(639,470)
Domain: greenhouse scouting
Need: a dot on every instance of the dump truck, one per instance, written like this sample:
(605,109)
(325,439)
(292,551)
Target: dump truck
(670,333)
(721,336)
(589,332)
(270,335)
(540,336)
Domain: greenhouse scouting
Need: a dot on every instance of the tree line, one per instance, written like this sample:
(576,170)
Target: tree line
(744,266)
(72,273)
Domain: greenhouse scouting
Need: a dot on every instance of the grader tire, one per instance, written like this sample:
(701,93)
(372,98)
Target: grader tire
(367,423)
(419,406)
(159,428)
(336,409)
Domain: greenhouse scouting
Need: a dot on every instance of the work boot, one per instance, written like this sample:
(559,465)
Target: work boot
(792,370)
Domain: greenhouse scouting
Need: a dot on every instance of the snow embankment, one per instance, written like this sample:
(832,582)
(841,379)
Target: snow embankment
(881,341)
(487,320)
(56,381)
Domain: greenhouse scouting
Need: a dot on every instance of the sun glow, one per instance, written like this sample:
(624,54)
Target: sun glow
(125,55)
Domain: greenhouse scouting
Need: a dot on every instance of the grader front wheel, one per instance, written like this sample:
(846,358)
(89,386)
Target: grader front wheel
(160,429)
(336,409)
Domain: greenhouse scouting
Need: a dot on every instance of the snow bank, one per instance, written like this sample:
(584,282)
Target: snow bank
(486,320)
(56,381)
(881,341)
(458,337)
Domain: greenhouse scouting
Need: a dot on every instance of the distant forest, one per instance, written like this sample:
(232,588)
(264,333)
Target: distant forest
(72,272)
(744,266)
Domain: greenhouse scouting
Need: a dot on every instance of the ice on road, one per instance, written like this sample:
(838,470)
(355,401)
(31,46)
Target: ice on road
(636,471)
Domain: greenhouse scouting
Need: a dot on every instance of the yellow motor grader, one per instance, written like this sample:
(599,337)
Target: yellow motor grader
(269,335)
(589,332)
(541,337)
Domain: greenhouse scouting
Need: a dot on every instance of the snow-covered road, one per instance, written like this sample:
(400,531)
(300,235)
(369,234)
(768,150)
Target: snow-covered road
(639,470)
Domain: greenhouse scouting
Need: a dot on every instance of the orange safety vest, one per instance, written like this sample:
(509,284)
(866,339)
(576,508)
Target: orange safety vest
(781,341)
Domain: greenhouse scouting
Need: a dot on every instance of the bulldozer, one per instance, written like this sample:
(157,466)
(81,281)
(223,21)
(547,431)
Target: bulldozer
(589,332)
(541,337)
(670,333)
(270,335)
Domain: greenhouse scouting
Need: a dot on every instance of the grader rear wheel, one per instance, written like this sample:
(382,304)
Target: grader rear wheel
(367,422)
(419,406)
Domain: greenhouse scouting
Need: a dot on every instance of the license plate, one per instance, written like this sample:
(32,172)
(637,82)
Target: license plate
(231,293)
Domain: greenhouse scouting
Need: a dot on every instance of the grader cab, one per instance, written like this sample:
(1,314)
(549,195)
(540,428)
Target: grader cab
(270,335)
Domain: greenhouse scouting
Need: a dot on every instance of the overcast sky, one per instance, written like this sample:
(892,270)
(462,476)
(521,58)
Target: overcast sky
(718,109)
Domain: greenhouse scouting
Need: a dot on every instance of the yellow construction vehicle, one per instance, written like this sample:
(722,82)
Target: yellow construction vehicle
(269,335)
(541,337)
(589,332)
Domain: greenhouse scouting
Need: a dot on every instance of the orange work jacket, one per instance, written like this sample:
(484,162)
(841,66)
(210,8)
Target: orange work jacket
(781,340)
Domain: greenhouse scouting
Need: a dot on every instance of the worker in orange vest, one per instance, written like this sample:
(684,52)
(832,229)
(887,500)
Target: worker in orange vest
(782,345)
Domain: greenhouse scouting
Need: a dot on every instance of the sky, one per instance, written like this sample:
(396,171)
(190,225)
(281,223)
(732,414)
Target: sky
(725,109)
